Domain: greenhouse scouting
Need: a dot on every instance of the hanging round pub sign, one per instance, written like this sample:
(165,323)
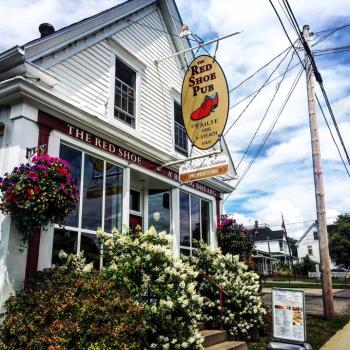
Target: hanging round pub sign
(205,101)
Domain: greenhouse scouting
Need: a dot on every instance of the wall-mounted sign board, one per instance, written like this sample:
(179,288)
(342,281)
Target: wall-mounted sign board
(204,168)
(205,101)
(288,312)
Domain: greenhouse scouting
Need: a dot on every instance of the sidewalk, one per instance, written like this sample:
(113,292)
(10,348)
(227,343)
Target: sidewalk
(313,292)
(339,341)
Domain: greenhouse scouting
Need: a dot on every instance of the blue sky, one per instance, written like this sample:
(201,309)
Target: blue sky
(281,179)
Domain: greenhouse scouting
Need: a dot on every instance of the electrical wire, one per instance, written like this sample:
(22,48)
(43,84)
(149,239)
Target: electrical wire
(290,92)
(271,128)
(332,31)
(257,93)
(260,69)
(330,131)
(266,112)
(271,81)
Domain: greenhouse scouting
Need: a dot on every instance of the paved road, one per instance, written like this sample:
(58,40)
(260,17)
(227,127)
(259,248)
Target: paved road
(314,302)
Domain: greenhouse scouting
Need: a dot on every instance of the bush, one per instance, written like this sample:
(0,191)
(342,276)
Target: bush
(144,266)
(306,265)
(63,309)
(243,308)
(234,238)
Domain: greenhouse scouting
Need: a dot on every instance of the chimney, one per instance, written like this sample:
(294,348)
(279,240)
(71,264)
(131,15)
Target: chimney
(46,29)
(256,226)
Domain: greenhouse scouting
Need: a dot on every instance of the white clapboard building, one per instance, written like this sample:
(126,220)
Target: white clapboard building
(93,93)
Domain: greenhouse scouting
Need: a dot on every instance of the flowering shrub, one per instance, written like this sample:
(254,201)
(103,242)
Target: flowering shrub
(35,195)
(68,309)
(234,238)
(243,308)
(144,266)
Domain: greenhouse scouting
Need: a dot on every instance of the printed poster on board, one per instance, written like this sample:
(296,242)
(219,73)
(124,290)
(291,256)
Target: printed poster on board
(288,310)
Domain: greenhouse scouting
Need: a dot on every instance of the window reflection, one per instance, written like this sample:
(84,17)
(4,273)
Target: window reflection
(72,156)
(159,210)
(92,192)
(63,240)
(184,219)
(205,216)
(89,245)
(114,196)
(195,219)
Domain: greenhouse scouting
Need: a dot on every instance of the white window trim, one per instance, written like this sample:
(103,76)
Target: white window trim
(139,67)
(176,97)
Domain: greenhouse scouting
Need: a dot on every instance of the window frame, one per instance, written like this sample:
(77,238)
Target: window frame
(309,248)
(134,63)
(79,230)
(177,148)
(190,247)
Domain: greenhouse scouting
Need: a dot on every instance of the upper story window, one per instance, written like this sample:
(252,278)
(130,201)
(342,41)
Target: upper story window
(315,235)
(309,250)
(180,131)
(281,245)
(125,92)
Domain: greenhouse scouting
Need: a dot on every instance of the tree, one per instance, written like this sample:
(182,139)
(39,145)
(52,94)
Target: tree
(339,240)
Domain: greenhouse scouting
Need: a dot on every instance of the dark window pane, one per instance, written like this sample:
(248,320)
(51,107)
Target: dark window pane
(63,240)
(205,216)
(92,193)
(185,252)
(195,218)
(89,245)
(178,114)
(184,219)
(72,156)
(159,210)
(124,73)
(114,196)
(180,134)
(135,198)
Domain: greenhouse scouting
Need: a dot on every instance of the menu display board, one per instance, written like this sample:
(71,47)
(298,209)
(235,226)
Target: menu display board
(288,311)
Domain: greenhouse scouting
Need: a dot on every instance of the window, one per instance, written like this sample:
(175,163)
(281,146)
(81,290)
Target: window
(100,204)
(124,99)
(179,131)
(135,201)
(309,250)
(194,221)
(159,210)
(281,246)
(315,235)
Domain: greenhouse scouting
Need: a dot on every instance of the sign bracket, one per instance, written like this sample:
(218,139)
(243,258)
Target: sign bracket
(189,159)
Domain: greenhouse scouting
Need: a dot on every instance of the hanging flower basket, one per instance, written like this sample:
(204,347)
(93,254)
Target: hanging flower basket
(39,193)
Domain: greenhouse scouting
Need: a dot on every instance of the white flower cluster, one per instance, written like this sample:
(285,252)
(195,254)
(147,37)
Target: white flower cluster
(243,309)
(144,266)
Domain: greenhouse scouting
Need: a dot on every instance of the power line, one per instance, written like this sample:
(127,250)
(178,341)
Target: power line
(257,93)
(330,130)
(266,112)
(335,28)
(290,92)
(258,70)
(332,31)
(271,81)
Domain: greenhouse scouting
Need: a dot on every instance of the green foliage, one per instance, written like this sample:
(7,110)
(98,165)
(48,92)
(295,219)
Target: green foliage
(339,241)
(234,238)
(165,287)
(243,308)
(306,265)
(66,309)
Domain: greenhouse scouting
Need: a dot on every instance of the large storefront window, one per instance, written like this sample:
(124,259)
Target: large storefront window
(100,205)
(159,210)
(194,221)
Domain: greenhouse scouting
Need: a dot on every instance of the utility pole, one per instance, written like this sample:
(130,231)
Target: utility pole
(327,294)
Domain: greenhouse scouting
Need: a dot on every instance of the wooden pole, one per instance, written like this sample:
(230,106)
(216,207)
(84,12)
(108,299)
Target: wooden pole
(327,294)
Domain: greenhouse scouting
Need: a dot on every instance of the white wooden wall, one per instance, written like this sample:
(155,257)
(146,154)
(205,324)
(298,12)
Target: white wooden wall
(85,79)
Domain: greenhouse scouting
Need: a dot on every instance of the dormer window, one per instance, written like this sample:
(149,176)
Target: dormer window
(125,86)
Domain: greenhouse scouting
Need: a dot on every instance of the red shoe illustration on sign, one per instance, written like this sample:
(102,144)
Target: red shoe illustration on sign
(207,106)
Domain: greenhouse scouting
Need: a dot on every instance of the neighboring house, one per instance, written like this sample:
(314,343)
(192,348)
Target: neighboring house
(309,244)
(271,248)
(93,93)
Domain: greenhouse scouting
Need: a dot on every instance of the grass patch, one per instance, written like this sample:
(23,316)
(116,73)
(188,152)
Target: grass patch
(318,332)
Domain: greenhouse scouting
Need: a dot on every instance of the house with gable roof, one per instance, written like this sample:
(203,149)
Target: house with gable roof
(93,94)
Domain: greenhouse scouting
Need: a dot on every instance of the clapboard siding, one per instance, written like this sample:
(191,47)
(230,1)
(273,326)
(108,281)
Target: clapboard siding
(85,78)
